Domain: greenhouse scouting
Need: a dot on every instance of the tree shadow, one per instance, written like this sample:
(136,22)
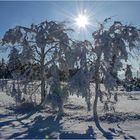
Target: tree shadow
(117,117)
(120,131)
(23,108)
(71,135)
(41,128)
(9,122)
(4,115)
(51,128)
(108,135)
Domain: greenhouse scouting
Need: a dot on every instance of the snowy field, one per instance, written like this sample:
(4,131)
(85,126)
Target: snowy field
(76,123)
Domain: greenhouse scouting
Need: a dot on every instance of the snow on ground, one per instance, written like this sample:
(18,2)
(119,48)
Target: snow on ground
(76,123)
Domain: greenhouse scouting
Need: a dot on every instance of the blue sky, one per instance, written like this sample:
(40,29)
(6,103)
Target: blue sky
(25,13)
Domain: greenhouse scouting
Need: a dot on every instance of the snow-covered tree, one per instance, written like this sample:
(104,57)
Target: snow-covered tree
(79,82)
(111,46)
(58,92)
(43,39)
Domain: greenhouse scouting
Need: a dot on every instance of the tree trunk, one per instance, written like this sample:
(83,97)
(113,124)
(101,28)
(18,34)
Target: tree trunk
(61,109)
(97,90)
(42,75)
(42,89)
(25,88)
(95,114)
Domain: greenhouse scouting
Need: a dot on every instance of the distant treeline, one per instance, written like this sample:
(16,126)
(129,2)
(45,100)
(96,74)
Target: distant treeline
(32,71)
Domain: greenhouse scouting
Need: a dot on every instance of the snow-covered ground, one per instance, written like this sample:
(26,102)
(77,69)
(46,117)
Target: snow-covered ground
(76,123)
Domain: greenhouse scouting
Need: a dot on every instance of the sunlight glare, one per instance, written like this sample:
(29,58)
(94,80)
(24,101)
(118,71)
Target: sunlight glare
(82,21)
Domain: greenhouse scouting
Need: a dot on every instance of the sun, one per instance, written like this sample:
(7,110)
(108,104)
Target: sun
(82,21)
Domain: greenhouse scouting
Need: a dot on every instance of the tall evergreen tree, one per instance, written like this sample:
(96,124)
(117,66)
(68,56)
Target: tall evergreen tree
(14,66)
(128,78)
(14,63)
(128,73)
(2,68)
